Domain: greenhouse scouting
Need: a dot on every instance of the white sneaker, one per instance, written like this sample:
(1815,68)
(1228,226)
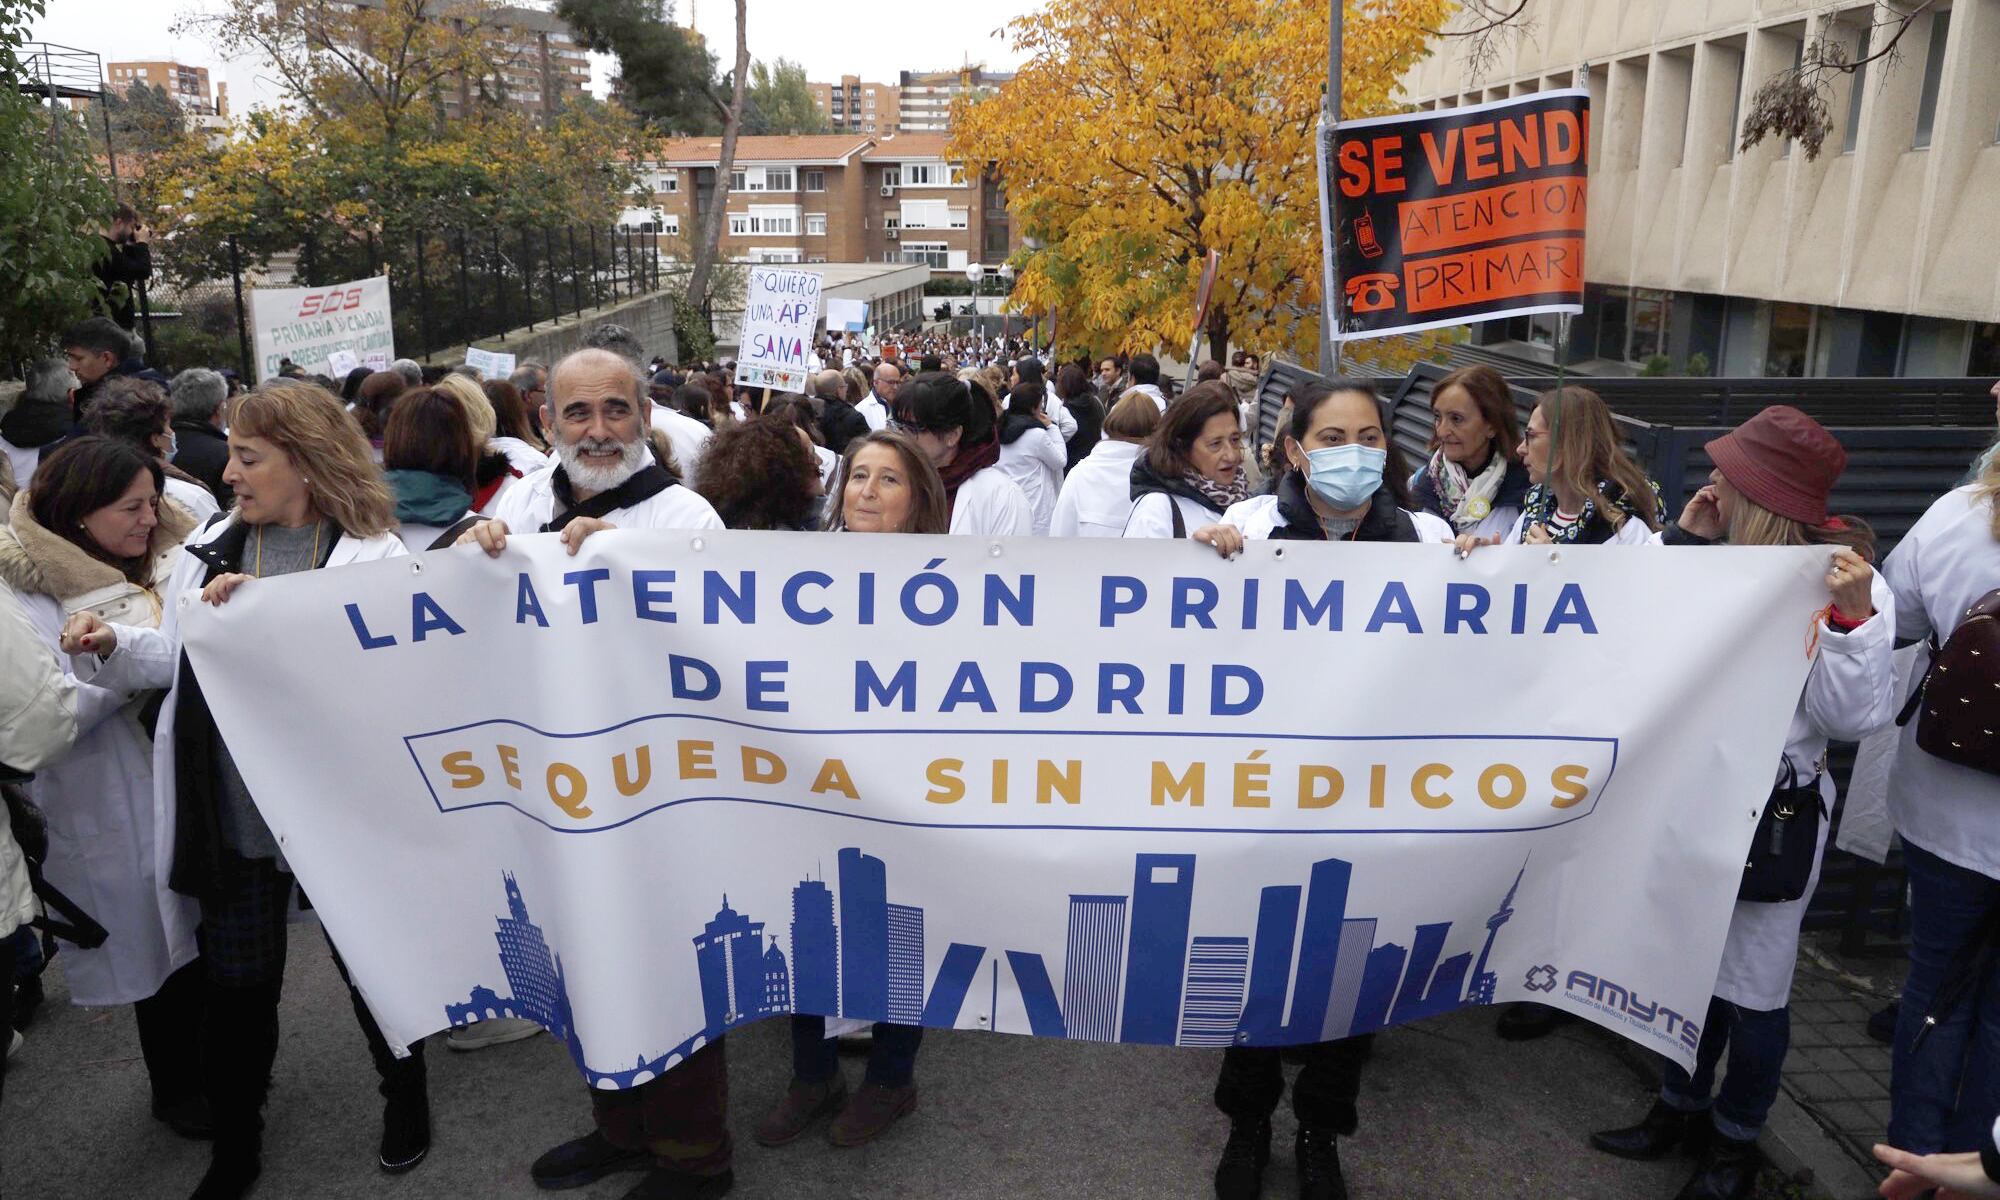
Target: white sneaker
(14,1045)
(494,1031)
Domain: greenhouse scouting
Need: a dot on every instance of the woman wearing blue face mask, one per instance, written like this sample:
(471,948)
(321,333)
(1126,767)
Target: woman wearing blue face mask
(1345,481)
(1336,490)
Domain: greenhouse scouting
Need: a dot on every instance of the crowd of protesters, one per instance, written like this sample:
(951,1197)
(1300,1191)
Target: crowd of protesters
(127,493)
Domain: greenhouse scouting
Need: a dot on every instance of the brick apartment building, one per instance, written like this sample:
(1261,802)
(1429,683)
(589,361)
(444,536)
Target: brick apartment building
(830,198)
(189,86)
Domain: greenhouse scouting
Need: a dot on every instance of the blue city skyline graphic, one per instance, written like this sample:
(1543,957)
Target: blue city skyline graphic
(1135,968)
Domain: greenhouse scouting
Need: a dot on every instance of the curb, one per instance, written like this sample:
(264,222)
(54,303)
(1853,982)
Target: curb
(1810,1157)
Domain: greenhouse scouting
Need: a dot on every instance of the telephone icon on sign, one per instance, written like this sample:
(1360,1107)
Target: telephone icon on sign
(1372,293)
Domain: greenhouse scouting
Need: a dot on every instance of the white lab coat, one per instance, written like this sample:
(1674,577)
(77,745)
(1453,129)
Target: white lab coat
(1096,496)
(1035,462)
(1851,690)
(1058,412)
(104,835)
(532,504)
(192,497)
(520,455)
(1948,560)
(873,411)
(1259,515)
(688,437)
(1632,533)
(991,505)
(149,658)
(1151,389)
(1153,518)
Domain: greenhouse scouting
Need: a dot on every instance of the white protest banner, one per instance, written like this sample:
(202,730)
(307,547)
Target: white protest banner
(1108,790)
(340,362)
(377,361)
(780,312)
(490,364)
(846,315)
(308,325)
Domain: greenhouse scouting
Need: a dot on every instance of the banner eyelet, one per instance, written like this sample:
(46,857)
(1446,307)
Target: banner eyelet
(698,544)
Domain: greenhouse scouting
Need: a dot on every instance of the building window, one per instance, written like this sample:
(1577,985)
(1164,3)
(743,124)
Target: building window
(922,174)
(777,179)
(814,179)
(670,223)
(933,254)
(1927,99)
(1856,88)
(815,224)
(955,175)
(891,177)
(891,221)
(670,181)
(1789,346)
(739,224)
(738,181)
(957,218)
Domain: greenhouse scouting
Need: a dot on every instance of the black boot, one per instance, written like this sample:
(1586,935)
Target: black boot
(1727,1172)
(1319,1165)
(239,1044)
(1240,1174)
(406,1123)
(1661,1130)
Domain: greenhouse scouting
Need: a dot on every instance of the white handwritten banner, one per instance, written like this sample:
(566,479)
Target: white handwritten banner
(311,325)
(780,314)
(1118,791)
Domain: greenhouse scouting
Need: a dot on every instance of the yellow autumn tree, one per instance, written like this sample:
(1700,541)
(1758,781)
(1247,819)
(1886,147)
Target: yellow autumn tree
(1140,134)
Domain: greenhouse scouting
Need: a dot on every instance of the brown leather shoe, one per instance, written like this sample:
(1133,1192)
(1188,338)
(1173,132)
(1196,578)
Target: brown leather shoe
(871,1112)
(802,1104)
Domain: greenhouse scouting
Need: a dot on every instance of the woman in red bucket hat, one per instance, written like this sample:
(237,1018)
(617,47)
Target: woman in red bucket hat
(1769,488)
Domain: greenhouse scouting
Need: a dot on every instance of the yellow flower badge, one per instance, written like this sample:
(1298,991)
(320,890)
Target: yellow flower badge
(1478,508)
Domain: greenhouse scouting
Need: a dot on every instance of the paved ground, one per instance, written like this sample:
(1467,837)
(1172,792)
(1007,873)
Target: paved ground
(1448,1111)
(1836,1073)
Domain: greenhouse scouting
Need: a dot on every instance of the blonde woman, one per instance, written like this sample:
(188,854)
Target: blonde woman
(1773,476)
(501,462)
(308,495)
(1586,489)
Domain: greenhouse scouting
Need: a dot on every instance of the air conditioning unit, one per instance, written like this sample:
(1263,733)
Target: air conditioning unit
(893,234)
(888,189)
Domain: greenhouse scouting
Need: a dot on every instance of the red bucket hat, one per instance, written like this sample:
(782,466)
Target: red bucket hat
(1783,460)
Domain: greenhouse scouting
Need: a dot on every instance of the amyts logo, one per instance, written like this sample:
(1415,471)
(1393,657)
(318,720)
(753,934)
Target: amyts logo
(1541,979)
(1616,998)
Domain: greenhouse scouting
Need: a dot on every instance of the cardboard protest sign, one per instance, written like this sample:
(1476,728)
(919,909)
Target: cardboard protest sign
(780,314)
(1458,215)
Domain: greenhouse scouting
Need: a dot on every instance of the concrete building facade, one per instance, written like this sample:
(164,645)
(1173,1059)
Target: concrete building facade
(918,102)
(1879,257)
(828,198)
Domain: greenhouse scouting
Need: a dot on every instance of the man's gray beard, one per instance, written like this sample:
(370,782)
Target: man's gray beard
(591,478)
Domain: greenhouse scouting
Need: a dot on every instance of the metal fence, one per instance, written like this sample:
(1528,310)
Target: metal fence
(450,287)
(1908,441)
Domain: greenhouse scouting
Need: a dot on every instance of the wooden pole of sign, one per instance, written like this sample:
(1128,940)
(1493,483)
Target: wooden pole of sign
(765,402)
(1329,117)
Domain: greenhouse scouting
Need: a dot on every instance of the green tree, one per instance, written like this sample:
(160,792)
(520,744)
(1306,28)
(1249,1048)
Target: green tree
(780,101)
(665,76)
(145,120)
(53,201)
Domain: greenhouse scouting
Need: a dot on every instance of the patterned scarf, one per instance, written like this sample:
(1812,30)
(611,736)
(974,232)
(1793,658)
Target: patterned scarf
(1219,496)
(1466,501)
(1540,509)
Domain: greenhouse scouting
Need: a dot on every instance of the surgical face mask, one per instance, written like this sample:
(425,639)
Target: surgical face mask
(1346,477)
(173,445)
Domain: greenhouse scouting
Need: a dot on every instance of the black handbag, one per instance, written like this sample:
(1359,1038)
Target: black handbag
(1780,862)
(61,916)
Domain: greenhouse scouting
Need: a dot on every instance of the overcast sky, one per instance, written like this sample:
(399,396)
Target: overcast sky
(874,42)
